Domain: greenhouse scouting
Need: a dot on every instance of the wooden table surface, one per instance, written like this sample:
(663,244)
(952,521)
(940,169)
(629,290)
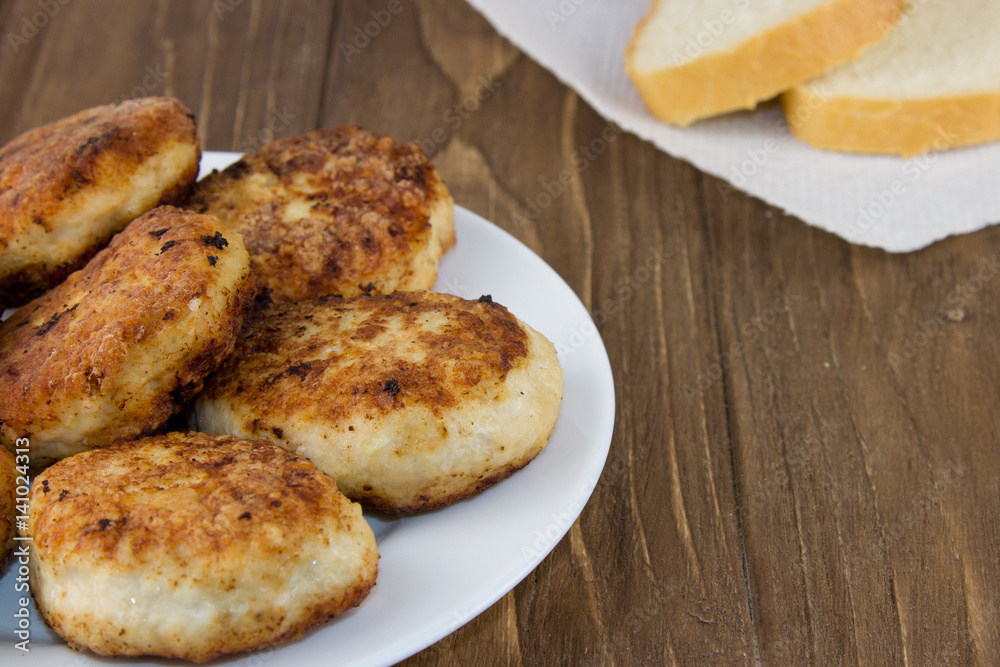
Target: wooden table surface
(805,462)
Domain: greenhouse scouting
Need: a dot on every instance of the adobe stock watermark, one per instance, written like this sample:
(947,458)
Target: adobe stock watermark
(624,289)
(546,538)
(750,332)
(22,554)
(562,12)
(913,170)
(953,311)
(909,8)
(923,501)
(746,168)
(711,30)
(457,114)
(459,618)
(456,286)
(582,158)
(223,7)
(662,594)
(643,609)
(258,657)
(279,120)
(33,24)
(797,455)
(362,37)
(153,77)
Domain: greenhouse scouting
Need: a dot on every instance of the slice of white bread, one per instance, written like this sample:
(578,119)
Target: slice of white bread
(932,83)
(691,60)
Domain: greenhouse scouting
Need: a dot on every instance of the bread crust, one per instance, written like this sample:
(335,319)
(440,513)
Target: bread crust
(341,211)
(67,187)
(192,546)
(764,66)
(411,401)
(904,127)
(123,343)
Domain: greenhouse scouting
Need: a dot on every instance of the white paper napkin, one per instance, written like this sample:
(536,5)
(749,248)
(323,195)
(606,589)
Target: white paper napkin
(891,203)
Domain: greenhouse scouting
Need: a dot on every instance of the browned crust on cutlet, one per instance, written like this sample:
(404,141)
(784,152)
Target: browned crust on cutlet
(367,229)
(192,506)
(434,499)
(191,489)
(99,148)
(34,279)
(410,401)
(76,339)
(360,371)
(8,486)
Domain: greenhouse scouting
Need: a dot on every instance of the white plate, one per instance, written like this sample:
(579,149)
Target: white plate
(439,570)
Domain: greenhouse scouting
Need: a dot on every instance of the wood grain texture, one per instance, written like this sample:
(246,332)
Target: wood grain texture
(805,465)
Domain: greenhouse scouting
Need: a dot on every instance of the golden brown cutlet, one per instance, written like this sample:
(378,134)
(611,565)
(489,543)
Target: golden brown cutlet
(410,401)
(67,187)
(193,546)
(340,211)
(123,343)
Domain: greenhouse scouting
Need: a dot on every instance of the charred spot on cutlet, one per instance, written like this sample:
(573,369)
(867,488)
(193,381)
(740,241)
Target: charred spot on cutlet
(299,369)
(236,169)
(47,327)
(264,296)
(217,241)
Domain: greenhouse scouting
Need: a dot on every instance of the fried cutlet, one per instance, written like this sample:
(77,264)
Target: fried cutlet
(341,211)
(67,187)
(122,344)
(193,546)
(410,401)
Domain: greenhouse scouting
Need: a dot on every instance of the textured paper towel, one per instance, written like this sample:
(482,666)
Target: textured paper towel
(885,202)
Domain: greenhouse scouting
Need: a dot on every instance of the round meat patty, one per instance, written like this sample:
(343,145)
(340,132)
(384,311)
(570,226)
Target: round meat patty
(410,401)
(338,211)
(193,546)
(67,187)
(120,346)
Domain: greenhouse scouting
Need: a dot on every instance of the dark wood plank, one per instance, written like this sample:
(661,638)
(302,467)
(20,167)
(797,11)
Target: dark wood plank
(55,73)
(275,88)
(675,579)
(805,463)
(387,82)
(854,461)
(250,71)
